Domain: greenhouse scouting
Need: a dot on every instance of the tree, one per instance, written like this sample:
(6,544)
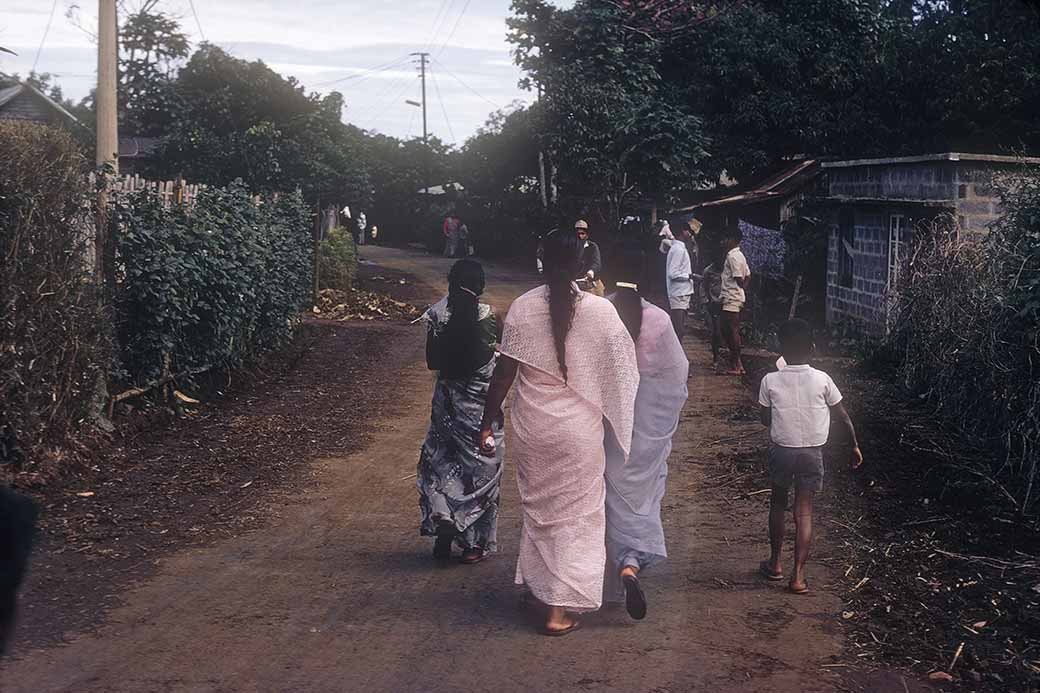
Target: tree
(151,47)
(238,119)
(613,127)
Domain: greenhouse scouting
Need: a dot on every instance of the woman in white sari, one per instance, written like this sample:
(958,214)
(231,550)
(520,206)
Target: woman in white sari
(635,536)
(576,376)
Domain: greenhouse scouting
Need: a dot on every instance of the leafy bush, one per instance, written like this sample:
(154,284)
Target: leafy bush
(51,323)
(968,330)
(337,260)
(208,286)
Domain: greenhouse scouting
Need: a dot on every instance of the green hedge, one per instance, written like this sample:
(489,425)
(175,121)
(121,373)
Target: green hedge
(210,285)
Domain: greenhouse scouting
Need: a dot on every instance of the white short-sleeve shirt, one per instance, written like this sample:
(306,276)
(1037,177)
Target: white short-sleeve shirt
(736,266)
(800,398)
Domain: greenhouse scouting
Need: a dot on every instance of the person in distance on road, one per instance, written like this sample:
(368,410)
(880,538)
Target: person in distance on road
(635,536)
(591,264)
(797,403)
(576,376)
(458,486)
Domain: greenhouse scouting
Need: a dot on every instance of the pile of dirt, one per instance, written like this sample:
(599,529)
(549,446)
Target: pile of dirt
(359,304)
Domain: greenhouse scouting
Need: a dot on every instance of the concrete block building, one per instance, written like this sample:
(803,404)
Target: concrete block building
(876,206)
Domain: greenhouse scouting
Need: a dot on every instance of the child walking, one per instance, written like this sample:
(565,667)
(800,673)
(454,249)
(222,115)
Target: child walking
(796,403)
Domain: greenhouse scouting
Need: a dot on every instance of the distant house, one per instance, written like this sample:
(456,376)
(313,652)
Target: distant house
(760,210)
(22,101)
(135,152)
(876,206)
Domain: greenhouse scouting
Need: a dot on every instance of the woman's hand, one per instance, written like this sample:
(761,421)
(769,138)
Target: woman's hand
(857,457)
(484,436)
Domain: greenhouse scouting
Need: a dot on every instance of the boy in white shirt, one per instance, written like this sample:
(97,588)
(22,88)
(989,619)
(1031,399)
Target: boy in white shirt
(797,403)
(735,277)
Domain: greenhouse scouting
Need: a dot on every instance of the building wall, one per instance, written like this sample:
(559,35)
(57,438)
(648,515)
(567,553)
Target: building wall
(977,202)
(964,187)
(864,301)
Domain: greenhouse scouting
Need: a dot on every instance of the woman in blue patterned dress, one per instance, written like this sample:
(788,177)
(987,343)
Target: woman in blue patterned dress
(459,487)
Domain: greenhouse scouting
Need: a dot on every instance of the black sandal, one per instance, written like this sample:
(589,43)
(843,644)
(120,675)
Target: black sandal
(635,599)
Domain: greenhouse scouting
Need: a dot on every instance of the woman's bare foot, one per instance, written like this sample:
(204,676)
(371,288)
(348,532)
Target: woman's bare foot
(557,622)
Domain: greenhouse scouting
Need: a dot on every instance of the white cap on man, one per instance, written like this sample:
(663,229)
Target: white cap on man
(581,224)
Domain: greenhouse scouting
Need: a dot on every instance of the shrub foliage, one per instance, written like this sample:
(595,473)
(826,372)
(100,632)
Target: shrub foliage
(969,335)
(211,285)
(337,260)
(52,342)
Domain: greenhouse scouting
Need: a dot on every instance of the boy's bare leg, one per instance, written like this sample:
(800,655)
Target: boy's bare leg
(777,527)
(803,509)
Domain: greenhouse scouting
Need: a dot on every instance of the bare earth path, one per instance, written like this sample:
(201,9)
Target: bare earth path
(337,592)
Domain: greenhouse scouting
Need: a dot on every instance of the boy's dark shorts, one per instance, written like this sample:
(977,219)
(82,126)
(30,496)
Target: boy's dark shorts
(801,468)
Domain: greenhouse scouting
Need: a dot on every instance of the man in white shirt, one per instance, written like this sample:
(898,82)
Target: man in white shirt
(797,403)
(679,282)
(735,277)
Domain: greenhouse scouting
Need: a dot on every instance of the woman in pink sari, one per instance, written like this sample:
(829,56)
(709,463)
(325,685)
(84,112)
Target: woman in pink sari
(576,376)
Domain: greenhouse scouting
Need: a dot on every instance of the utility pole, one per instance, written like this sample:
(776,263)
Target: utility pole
(107,160)
(423,57)
(107,127)
(107,134)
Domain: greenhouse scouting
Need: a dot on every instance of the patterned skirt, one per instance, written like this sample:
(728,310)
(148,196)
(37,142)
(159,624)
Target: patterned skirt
(457,485)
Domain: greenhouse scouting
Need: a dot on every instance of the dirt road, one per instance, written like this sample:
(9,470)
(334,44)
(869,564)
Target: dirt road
(336,591)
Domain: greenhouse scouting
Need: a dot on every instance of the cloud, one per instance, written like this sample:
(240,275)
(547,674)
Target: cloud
(326,45)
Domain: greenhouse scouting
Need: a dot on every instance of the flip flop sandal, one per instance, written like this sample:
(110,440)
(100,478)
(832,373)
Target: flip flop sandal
(764,571)
(635,599)
(472,556)
(804,590)
(556,633)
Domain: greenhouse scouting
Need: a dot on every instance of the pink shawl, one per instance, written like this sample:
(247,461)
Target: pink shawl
(601,358)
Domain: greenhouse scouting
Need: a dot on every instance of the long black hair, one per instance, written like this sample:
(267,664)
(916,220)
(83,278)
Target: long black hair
(562,259)
(627,269)
(461,335)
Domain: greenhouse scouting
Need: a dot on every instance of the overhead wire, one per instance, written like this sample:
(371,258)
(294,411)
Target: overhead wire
(366,73)
(379,101)
(437,21)
(454,28)
(191,4)
(444,110)
(471,89)
(39,50)
(376,112)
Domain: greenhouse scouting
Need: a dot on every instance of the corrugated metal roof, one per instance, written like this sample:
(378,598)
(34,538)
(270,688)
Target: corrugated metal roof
(945,156)
(775,186)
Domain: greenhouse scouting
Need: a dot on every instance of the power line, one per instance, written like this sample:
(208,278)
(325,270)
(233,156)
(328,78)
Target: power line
(191,3)
(457,79)
(376,112)
(379,101)
(43,40)
(454,28)
(443,109)
(368,72)
(437,21)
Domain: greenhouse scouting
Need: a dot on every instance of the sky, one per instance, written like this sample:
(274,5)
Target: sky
(326,44)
